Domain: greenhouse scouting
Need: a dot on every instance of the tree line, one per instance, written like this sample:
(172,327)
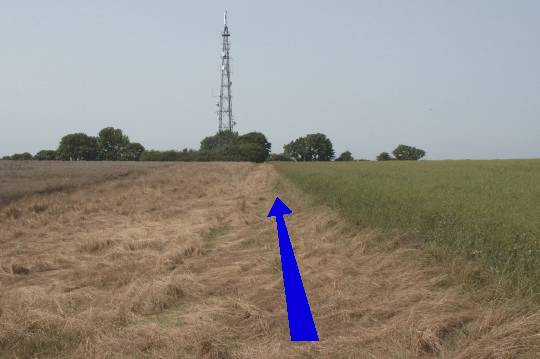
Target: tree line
(223,146)
(111,144)
(318,147)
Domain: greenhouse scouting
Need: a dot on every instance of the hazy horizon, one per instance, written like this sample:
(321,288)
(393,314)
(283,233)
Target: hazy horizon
(458,79)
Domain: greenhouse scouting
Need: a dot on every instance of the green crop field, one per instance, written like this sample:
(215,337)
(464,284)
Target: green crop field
(485,211)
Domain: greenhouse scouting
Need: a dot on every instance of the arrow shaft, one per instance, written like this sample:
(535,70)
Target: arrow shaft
(301,324)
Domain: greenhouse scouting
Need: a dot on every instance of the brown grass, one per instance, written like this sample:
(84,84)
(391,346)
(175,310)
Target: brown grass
(182,262)
(22,178)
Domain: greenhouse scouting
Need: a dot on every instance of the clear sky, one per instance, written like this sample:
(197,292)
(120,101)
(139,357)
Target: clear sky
(460,79)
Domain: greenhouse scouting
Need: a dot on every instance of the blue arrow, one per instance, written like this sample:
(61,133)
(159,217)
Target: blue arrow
(301,325)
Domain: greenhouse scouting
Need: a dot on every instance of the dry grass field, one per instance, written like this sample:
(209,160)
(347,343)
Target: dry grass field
(19,178)
(181,262)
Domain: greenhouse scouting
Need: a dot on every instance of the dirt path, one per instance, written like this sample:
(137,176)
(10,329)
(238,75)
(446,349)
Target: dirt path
(183,263)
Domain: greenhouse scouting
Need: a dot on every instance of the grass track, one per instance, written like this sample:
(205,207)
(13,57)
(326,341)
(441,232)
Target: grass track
(486,211)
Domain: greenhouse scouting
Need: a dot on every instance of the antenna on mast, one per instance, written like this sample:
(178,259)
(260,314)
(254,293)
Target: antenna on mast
(225,116)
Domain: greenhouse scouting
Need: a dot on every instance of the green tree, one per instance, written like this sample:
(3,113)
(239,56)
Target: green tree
(77,147)
(241,152)
(45,155)
(111,142)
(296,150)
(313,147)
(320,146)
(345,156)
(254,147)
(384,156)
(229,146)
(218,141)
(408,153)
(132,152)
(26,156)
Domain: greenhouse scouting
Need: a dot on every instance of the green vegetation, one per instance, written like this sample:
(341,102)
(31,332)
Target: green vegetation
(218,141)
(384,156)
(402,153)
(170,155)
(26,156)
(111,144)
(224,146)
(229,146)
(485,211)
(345,156)
(78,147)
(312,147)
(131,152)
(278,157)
(408,153)
(45,155)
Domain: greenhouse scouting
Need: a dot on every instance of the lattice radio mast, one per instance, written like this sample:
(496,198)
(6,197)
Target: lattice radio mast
(225,116)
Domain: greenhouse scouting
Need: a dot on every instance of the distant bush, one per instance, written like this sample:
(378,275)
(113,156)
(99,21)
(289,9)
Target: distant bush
(384,156)
(229,146)
(278,157)
(45,155)
(26,156)
(408,153)
(345,156)
(170,155)
(154,155)
(131,152)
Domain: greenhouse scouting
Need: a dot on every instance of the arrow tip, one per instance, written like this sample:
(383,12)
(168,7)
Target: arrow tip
(279,209)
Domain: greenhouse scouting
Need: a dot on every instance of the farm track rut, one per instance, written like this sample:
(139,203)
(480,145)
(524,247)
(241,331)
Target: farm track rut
(182,262)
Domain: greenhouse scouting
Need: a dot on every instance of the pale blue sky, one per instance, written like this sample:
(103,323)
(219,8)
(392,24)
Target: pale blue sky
(460,79)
